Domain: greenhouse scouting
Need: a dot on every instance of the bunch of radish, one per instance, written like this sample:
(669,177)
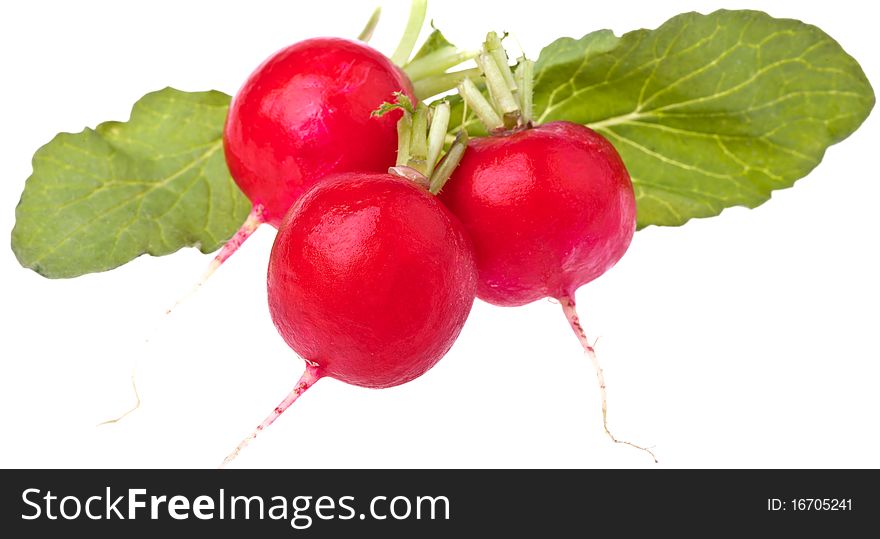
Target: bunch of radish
(393,216)
(383,241)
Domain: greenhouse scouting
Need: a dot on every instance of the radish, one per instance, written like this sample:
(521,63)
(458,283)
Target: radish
(303,114)
(549,208)
(371,278)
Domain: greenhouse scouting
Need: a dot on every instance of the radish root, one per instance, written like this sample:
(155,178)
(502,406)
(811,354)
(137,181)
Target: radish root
(308,379)
(568,307)
(253,221)
(137,404)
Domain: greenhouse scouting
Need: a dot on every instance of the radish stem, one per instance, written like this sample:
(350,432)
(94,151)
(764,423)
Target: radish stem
(367,32)
(404,135)
(509,105)
(525,74)
(499,91)
(453,158)
(437,62)
(568,307)
(482,108)
(437,133)
(418,144)
(307,380)
(421,135)
(411,32)
(496,50)
(437,84)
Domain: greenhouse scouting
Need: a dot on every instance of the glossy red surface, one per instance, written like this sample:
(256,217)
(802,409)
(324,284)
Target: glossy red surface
(372,278)
(304,114)
(548,209)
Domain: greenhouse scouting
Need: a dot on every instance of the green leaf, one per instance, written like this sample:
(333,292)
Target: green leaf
(557,58)
(401,101)
(99,198)
(433,43)
(708,111)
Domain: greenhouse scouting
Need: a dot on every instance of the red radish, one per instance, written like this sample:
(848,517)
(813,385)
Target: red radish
(549,208)
(371,278)
(305,113)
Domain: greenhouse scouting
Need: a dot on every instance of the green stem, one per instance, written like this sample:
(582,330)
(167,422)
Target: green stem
(367,32)
(499,90)
(525,75)
(404,136)
(411,32)
(437,132)
(496,50)
(437,62)
(418,144)
(482,108)
(453,158)
(421,135)
(437,84)
(510,102)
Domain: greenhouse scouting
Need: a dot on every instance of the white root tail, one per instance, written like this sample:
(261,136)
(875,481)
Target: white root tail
(568,307)
(253,221)
(137,403)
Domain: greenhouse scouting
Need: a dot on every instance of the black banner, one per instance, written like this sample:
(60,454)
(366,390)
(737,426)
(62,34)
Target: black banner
(428,503)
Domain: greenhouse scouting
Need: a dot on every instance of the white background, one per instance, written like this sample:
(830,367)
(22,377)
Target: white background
(746,340)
